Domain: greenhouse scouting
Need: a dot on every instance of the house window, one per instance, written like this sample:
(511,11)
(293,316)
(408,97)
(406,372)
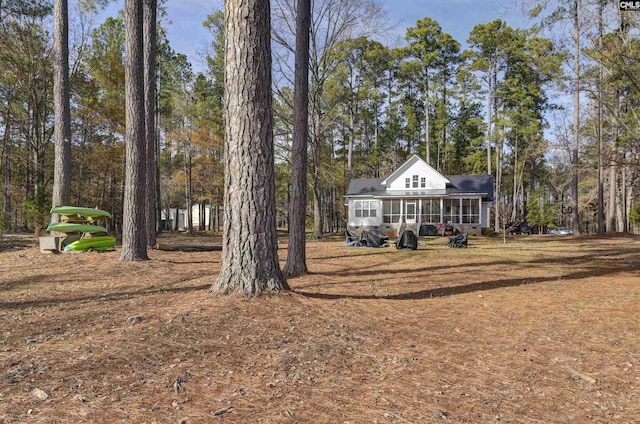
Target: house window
(391,211)
(470,211)
(430,212)
(452,211)
(415,181)
(407,182)
(366,208)
(423,182)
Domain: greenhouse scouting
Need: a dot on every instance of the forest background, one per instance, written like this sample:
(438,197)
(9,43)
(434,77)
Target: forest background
(500,105)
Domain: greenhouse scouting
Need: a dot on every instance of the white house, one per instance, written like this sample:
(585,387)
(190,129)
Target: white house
(419,196)
(201,214)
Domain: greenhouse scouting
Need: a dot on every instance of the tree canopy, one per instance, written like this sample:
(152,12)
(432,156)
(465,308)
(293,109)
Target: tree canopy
(493,103)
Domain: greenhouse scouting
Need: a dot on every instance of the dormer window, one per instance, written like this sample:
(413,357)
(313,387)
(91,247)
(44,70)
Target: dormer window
(415,181)
(407,182)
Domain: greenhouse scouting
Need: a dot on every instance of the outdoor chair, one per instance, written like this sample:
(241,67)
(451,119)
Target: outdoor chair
(371,239)
(384,239)
(458,241)
(407,241)
(352,239)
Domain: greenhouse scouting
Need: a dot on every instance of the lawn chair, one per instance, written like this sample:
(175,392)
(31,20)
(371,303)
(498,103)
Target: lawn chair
(373,239)
(407,241)
(384,239)
(352,239)
(458,241)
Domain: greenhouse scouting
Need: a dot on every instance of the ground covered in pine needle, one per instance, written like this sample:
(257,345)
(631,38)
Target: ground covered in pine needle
(540,329)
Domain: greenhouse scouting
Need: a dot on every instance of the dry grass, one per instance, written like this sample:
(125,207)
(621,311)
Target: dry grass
(540,329)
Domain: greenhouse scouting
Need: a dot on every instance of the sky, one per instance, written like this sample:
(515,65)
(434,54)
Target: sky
(456,17)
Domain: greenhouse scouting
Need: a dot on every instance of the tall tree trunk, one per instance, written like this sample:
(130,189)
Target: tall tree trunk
(624,214)
(500,213)
(249,263)
(158,203)
(188,170)
(134,230)
(514,203)
(601,226)
(427,139)
(62,113)
(576,117)
(317,211)
(296,254)
(490,120)
(315,176)
(6,220)
(613,169)
(611,203)
(150,10)
(352,135)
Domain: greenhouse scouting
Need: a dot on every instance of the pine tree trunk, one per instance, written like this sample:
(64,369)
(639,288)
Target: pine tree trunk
(188,170)
(62,114)
(427,139)
(134,233)
(611,209)
(6,220)
(296,255)
(601,226)
(249,263)
(150,10)
(576,119)
(315,173)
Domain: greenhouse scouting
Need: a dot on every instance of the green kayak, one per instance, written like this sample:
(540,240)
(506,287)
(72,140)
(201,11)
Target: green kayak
(74,210)
(71,227)
(92,243)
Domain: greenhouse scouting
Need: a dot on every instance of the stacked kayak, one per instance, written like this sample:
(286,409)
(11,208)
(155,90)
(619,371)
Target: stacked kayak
(81,231)
(81,213)
(91,243)
(72,227)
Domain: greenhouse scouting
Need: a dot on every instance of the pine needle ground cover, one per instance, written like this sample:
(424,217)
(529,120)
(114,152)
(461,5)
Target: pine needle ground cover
(540,329)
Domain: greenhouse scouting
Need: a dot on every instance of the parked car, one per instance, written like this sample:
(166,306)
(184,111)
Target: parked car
(562,231)
(521,228)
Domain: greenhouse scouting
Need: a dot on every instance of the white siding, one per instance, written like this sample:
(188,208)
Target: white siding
(365,221)
(433,179)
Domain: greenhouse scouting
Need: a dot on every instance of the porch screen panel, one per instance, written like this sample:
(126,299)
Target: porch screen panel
(430,212)
(452,211)
(391,211)
(470,211)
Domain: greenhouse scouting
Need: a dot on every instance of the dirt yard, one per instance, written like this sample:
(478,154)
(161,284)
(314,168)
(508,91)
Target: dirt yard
(541,329)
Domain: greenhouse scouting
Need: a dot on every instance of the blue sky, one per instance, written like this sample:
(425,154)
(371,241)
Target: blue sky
(456,17)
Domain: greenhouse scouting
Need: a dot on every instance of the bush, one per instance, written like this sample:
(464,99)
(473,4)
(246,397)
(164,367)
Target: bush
(36,213)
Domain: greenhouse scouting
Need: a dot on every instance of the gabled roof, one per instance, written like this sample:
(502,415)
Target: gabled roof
(460,184)
(405,166)
(455,184)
